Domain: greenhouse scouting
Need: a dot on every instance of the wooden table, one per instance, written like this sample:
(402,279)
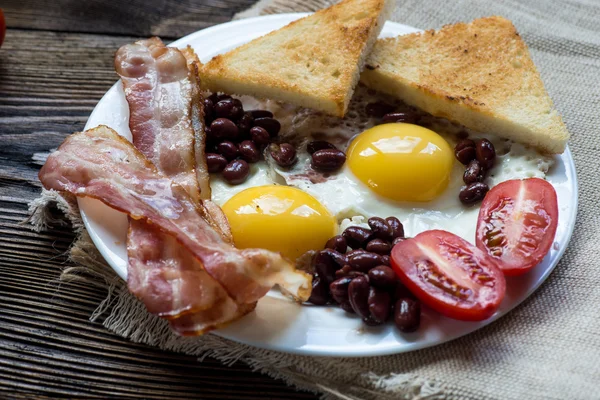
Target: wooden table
(55,64)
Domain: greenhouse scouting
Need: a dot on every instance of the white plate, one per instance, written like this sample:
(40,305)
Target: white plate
(280,324)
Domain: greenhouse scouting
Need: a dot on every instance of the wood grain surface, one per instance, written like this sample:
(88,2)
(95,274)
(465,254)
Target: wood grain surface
(55,65)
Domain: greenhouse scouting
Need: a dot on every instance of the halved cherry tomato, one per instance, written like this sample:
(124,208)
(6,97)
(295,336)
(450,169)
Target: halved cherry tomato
(450,275)
(517,223)
(2,27)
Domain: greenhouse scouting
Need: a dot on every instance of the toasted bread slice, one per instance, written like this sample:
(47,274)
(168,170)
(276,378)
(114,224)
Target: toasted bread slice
(479,74)
(314,62)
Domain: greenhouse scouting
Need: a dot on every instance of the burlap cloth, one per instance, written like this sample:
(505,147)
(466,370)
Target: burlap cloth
(548,348)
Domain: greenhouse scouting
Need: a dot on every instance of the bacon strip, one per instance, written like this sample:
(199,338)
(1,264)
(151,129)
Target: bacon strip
(98,163)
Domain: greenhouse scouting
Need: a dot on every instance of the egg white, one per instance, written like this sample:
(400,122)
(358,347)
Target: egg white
(348,199)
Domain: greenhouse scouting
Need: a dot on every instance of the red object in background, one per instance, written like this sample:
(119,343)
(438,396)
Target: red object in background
(2,27)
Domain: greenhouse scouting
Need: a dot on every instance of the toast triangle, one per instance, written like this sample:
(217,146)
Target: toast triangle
(479,74)
(313,62)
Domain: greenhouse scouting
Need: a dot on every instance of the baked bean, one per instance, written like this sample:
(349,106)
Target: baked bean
(260,136)
(317,145)
(339,289)
(325,267)
(398,240)
(269,124)
(363,262)
(229,108)
(236,172)
(383,277)
(245,123)
(337,243)
(378,246)
(408,118)
(327,160)
(248,151)
(379,304)
(380,228)
(223,128)
(473,193)
(397,227)
(464,151)
(407,315)
(209,110)
(228,149)
(473,172)
(261,113)
(385,259)
(215,162)
(486,154)
(378,109)
(284,154)
(358,295)
(356,236)
(320,291)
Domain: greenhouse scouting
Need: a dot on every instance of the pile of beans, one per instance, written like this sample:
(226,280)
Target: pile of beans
(354,272)
(236,137)
(479,158)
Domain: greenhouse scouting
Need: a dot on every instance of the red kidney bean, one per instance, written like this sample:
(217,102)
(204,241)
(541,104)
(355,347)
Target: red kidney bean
(245,123)
(320,291)
(363,262)
(400,291)
(407,315)
(209,110)
(370,321)
(337,243)
(356,236)
(229,108)
(408,118)
(358,294)
(223,128)
(269,124)
(353,252)
(486,154)
(383,277)
(327,160)
(380,228)
(379,304)
(284,154)
(378,109)
(325,267)
(260,136)
(214,97)
(222,97)
(344,271)
(236,172)
(473,193)
(464,151)
(228,149)
(385,259)
(398,240)
(317,145)
(473,173)
(261,113)
(339,289)
(249,152)
(378,246)
(397,227)
(215,162)
(337,257)
(347,307)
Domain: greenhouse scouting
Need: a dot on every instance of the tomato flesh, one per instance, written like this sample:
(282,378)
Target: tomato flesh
(517,223)
(450,275)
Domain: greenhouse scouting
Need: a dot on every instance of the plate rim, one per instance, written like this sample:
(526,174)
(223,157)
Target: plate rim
(316,350)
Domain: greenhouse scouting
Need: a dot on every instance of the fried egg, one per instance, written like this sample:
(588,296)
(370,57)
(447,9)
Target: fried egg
(400,170)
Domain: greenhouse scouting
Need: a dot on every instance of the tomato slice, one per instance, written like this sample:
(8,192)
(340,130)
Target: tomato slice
(517,223)
(450,275)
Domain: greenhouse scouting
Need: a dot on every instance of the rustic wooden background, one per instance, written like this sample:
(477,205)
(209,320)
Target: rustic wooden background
(55,64)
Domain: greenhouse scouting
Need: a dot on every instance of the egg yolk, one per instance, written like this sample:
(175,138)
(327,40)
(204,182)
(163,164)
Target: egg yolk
(402,162)
(279,218)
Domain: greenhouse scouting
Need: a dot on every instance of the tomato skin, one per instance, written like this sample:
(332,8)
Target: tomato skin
(450,275)
(517,223)
(2,27)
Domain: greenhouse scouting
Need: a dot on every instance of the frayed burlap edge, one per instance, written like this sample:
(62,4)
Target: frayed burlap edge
(127,317)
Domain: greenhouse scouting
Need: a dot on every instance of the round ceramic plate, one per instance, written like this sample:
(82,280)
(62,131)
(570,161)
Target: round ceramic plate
(278,323)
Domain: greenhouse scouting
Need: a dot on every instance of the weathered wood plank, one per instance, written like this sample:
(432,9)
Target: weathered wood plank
(168,18)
